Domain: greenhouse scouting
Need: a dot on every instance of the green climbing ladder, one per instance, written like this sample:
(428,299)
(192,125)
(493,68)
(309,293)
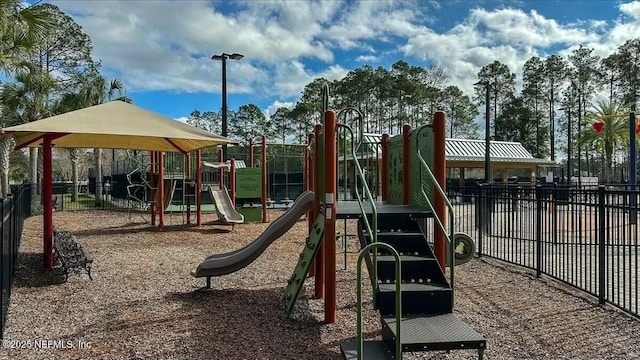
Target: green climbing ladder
(296,282)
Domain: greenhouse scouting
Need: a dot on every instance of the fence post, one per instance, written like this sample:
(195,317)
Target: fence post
(26,198)
(479,200)
(5,288)
(538,234)
(602,271)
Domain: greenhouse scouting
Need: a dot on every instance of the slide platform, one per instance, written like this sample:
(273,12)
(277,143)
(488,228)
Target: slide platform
(222,264)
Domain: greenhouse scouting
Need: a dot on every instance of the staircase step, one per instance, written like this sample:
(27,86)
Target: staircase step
(413,267)
(416,299)
(435,332)
(404,242)
(371,350)
(396,222)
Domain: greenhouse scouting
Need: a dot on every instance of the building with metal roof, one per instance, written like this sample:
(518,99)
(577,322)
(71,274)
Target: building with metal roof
(506,158)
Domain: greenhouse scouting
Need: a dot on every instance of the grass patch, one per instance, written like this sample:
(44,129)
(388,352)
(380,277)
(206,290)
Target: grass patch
(85,202)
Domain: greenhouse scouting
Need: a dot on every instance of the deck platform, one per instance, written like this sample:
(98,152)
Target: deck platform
(351,210)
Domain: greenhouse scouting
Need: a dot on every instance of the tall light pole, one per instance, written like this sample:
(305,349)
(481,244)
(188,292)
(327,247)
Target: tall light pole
(567,109)
(487,132)
(223,57)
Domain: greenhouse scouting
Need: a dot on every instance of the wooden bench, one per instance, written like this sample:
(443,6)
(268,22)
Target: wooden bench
(70,254)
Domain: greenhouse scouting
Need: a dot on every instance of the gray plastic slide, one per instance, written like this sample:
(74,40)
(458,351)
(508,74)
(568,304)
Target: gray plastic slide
(224,207)
(222,264)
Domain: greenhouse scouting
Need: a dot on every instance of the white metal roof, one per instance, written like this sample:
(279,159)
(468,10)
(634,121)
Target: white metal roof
(461,150)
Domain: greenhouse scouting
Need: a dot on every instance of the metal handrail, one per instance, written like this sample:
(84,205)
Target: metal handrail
(398,354)
(434,182)
(367,193)
(370,228)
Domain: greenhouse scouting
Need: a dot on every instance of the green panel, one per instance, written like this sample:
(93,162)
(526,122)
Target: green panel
(251,214)
(395,170)
(248,183)
(420,179)
(304,263)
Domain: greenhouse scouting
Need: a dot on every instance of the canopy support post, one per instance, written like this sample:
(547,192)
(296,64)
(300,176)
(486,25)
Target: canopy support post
(47,202)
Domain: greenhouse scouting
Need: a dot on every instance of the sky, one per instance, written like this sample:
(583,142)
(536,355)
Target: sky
(162,50)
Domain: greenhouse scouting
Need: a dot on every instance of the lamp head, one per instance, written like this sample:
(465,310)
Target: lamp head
(223,56)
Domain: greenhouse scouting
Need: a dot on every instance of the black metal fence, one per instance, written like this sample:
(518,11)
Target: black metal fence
(584,236)
(14,210)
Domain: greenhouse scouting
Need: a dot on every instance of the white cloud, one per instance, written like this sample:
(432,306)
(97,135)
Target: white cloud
(367,58)
(273,107)
(167,45)
(291,77)
(508,35)
(631,9)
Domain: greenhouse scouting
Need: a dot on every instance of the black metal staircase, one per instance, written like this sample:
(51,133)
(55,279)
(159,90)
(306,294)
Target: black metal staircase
(428,322)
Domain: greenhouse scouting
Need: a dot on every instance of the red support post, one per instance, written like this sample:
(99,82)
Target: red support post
(319,273)
(385,166)
(152,181)
(406,164)
(439,171)
(199,186)
(47,202)
(232,181)
(187,198)
(330,184)
(160,203)
(250,153)
(264,178)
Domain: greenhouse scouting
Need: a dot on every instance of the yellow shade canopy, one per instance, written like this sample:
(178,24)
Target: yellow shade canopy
(115,125)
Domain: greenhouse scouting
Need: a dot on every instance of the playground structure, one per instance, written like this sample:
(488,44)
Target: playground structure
(411,290)
(253,184)
(412,196)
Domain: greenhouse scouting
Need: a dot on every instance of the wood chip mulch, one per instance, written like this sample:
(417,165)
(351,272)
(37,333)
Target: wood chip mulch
(144,304)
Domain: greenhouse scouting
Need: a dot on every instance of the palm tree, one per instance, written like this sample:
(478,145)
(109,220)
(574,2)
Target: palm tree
(95,90)
(26,100)
(67,103)
(20,29)
(614,134)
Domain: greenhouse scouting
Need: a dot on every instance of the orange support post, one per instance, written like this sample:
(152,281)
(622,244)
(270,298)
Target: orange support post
(232,181)
(308,178)
(330,184)
(406,164)
(199,186)
(319,283)
(153,183)
(264,177)
(184,186)
(384,144)
(47,203)
(160,203)
(250,153)
(439,171)
(221,171)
